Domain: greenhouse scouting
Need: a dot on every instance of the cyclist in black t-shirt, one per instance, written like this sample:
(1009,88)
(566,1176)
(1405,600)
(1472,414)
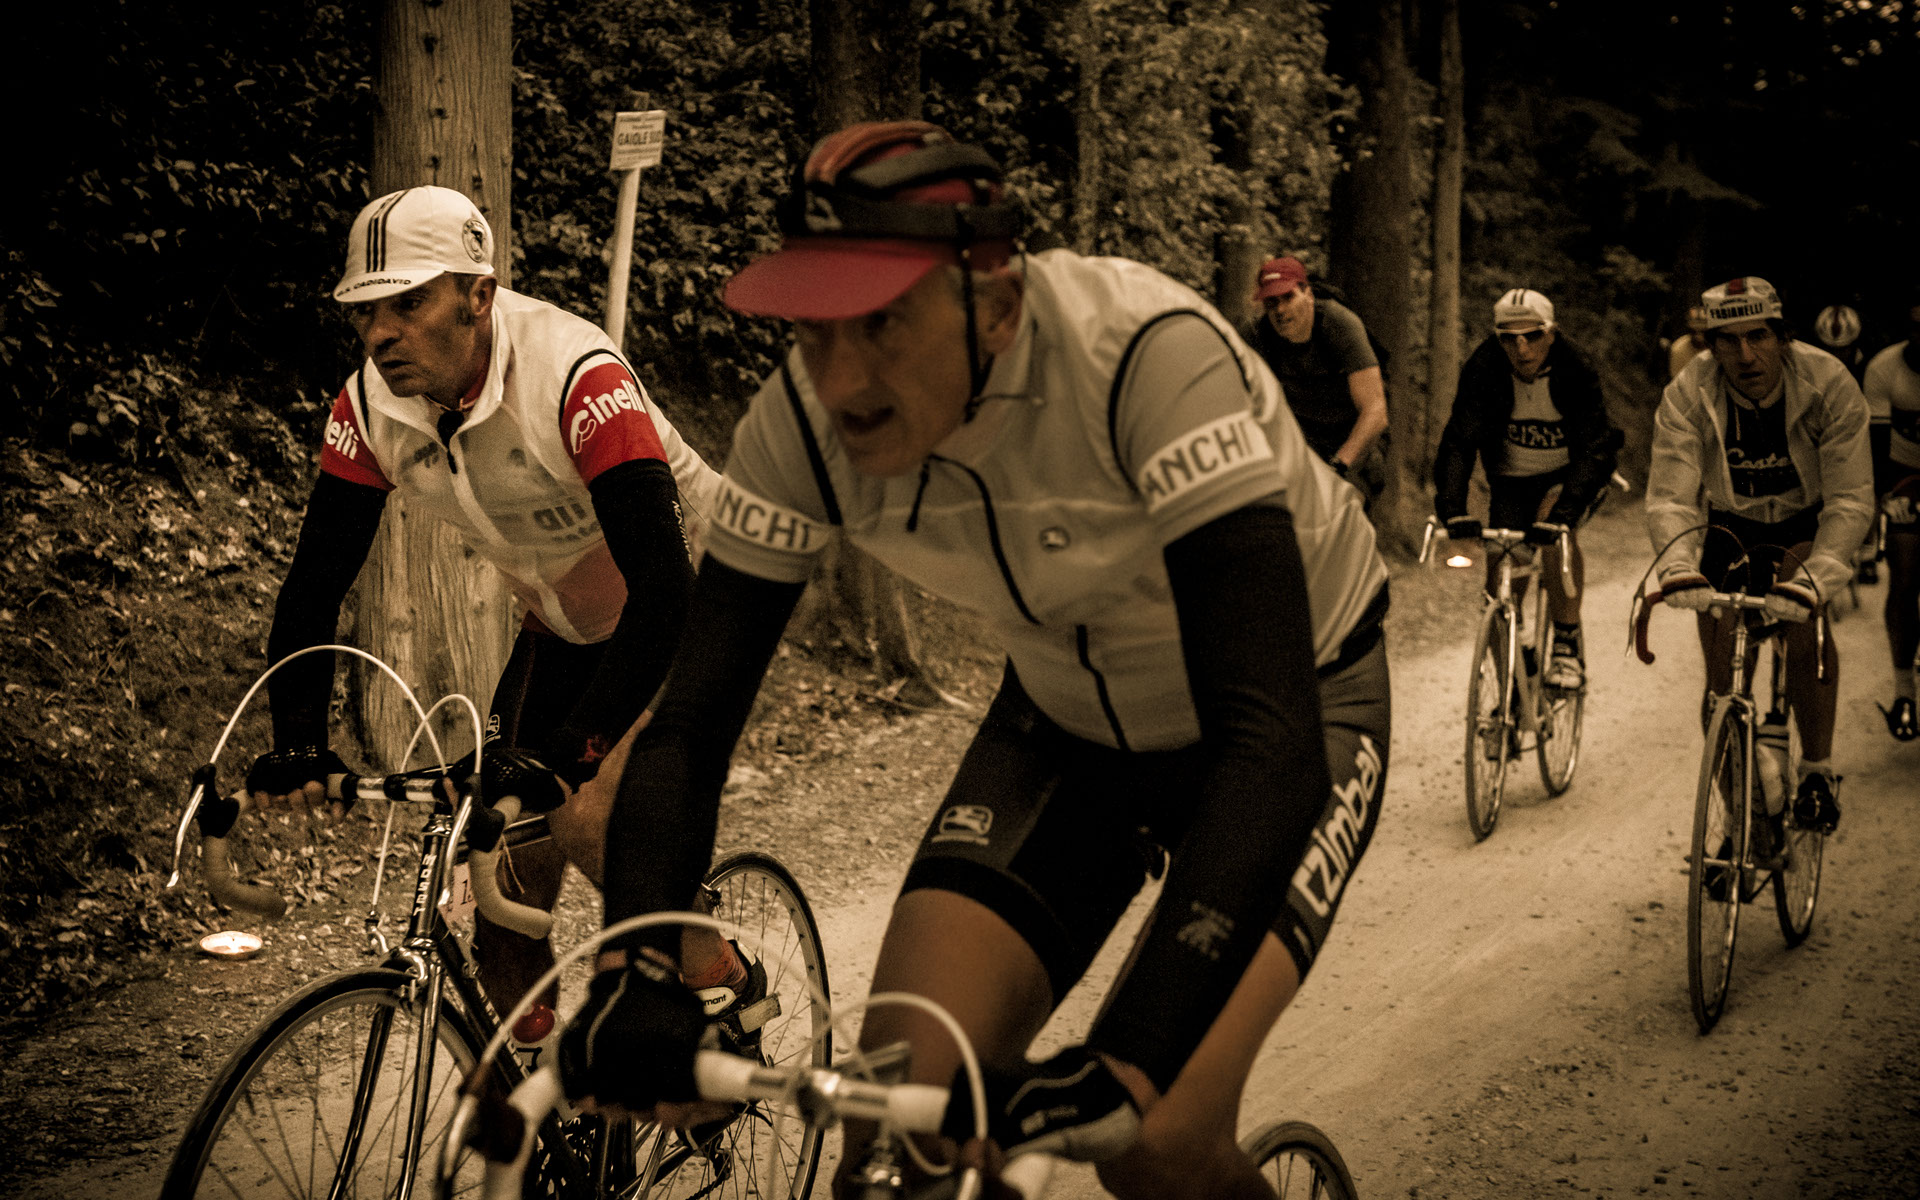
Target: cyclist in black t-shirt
(1326,364)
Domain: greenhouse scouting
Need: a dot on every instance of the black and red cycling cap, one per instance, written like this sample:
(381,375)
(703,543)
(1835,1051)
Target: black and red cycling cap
(875,208)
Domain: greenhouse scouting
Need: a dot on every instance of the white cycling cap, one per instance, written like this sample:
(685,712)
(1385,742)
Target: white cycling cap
(1748,298)
(1522,308)
(407,237)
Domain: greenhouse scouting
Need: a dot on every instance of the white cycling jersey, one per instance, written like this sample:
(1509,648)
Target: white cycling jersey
(557,406)
(1893,399)
(1126,414)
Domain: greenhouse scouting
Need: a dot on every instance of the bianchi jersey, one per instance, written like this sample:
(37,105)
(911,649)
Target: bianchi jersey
(557,407)
(1893,398)
(1126,414)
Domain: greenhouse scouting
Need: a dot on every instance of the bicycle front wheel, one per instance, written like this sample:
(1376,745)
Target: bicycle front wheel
(1796,885)
(316,1101)
(1558,745)
(1490,727)
(1297,1160)
(766,1150)
(1720,838)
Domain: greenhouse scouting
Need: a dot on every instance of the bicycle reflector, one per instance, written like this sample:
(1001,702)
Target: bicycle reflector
(231,944)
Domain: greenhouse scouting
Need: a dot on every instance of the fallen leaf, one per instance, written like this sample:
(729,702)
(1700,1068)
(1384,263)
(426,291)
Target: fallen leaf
(69,482)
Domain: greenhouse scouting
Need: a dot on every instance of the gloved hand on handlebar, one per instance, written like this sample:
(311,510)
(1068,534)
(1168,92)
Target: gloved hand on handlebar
(633,1043)
(1463,528)
(1899,508)
(517,771)
(1685,587)
(1543,533)
(1791,600)
(293,774)
(1070,1105)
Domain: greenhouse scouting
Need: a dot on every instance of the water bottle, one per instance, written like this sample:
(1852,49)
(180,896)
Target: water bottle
(1770,760)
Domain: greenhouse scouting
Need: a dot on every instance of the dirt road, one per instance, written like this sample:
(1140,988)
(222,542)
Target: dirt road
(1493,1020)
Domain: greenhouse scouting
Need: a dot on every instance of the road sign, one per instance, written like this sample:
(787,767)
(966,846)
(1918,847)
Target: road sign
(638,138)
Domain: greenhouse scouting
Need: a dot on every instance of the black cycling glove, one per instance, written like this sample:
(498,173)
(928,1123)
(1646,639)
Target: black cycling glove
(1463,528)
(634,1040)
(1542,533)
(283,772)
(516,771)
(1069,1105)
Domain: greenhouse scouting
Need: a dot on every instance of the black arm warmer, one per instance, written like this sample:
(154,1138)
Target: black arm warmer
(1241,591)
(335,536)
(660,834)
(1880,441)
(639,510)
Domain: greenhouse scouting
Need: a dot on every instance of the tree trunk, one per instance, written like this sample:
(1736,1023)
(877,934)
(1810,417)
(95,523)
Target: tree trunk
(1236,256)
(1370,241)
(1443,308)
(439,615)
(866,55)
(1088,132)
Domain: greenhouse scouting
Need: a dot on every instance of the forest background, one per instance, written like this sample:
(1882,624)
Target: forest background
(183,175)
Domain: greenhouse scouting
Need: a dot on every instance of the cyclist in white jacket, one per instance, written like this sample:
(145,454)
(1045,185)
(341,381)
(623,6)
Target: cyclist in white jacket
(1762,482)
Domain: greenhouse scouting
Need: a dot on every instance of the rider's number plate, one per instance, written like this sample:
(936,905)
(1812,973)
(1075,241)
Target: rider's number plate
(460,903)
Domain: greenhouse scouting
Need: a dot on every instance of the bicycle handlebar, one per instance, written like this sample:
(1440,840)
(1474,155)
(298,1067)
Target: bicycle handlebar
(821,1095)
(487,837)
(1735,600)
(1508,538)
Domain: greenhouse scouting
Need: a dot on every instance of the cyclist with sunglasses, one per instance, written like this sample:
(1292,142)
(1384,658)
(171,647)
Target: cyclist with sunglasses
(1893,400)
(1761,479)
(1529,409)
(1084,452)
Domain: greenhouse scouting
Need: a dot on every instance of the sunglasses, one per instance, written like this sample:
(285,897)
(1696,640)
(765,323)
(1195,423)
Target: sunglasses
(1529,337)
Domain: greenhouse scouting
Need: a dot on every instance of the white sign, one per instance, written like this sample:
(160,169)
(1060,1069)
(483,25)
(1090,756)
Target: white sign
(638,138)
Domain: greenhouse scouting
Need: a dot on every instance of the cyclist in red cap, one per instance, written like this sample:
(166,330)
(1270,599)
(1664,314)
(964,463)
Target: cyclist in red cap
(1085,453)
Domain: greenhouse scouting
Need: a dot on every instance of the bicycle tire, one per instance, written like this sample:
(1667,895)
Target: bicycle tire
(245,1138)
(1489,726)
(765,1151)
(1721,835)
(1298,1160)
(1557,744)
(1796,884)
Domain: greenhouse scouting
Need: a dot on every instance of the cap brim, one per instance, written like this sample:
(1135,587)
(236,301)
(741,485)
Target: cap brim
(373,285)
(825,279)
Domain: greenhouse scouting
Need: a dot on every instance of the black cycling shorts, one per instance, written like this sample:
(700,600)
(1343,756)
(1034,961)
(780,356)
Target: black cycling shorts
(1517,501)
(1056,834)
(544,678)
(1744,555)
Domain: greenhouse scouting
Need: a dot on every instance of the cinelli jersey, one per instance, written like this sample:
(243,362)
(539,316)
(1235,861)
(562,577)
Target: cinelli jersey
(1047,513)
(558,406)
(1536,440)
(1893,398)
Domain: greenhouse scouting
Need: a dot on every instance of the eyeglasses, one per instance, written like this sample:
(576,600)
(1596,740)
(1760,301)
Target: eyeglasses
(1529,337)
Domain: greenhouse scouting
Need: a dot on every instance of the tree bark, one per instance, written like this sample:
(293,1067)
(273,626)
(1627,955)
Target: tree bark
(866,55)
(1370,240)
(1236,256)
(1449,172)
(439,615)
(1089,133)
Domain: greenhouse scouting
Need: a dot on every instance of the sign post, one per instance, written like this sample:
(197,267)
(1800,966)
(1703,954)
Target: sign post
(638,138)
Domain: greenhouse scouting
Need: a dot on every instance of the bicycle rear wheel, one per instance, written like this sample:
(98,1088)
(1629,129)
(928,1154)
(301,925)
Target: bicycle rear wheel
(319,1094)
(766,1151)
(1490,728)
(1796,885)
(1297,1160)
(1558,745)
(1720,842)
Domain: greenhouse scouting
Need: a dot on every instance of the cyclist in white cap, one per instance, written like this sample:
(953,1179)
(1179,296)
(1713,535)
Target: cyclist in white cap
(1762,481)
(523,428)
(1529,409)
(1893,400)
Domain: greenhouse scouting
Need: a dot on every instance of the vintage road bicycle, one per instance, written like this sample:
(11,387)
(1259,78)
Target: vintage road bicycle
(1509,705)
(348,1088)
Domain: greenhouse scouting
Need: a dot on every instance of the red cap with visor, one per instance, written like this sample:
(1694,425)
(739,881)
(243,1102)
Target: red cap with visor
(876,207)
